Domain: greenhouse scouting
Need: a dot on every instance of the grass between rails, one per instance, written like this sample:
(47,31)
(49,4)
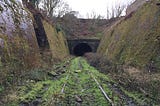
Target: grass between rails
(80,88)
(82,85)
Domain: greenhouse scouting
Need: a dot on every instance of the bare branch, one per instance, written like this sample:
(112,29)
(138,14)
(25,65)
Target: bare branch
(55,7)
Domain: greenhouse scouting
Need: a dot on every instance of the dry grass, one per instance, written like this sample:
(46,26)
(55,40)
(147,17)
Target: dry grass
(131,78)
(136,80)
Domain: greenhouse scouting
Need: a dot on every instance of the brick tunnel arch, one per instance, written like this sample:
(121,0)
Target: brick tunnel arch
(81,48)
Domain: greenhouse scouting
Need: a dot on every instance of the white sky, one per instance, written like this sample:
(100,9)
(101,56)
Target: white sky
(98,6)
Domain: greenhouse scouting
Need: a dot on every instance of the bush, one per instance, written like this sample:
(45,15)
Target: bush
(102,63)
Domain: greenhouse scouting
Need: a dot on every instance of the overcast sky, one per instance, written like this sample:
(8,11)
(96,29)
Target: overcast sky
(98,6)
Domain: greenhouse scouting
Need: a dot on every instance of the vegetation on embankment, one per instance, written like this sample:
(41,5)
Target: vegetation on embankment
(57,42)
(83,28)
(19,50)
(132,79)
(129,51)
(18,44)
(135,40)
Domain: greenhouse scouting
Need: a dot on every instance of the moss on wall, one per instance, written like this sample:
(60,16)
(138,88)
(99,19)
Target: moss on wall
(136,39)
(57,42)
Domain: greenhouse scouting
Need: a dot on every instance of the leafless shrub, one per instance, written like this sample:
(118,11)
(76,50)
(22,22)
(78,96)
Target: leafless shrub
(102,63)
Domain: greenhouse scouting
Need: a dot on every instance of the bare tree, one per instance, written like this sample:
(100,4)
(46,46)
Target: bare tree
(63,9)
(55,7)
(115,11)
(108,13)
(94,15)
(50,5)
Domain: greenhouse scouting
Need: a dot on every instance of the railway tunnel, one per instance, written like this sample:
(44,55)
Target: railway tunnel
(79,47)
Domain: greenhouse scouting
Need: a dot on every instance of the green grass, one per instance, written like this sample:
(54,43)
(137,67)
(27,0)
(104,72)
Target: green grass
(1,88)
(78,81)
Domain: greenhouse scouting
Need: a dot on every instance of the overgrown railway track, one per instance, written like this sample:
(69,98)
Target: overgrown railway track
(80,85)
(75,90)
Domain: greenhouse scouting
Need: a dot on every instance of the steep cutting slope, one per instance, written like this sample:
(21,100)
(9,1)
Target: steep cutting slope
(50,38)
(136,39)
(57,42)
(18,43)
(19,49)
(17,37)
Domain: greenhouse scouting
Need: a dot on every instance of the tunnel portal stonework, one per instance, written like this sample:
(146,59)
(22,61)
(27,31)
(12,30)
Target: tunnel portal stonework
(89,45)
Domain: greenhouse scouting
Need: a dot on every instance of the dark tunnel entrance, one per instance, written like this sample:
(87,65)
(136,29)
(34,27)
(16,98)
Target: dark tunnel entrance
(81,49)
